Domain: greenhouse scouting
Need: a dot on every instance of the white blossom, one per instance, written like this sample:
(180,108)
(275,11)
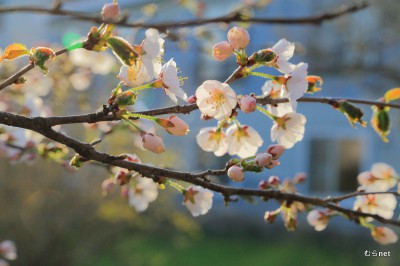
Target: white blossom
(243,141)
(216,99)
(288,129)
(142,193)
(170,80)
(380,204)
(212,140)
(284,51)
(198,200)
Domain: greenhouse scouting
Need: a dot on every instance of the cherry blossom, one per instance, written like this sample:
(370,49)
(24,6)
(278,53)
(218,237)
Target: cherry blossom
(276,151)
(178,128)
(216,99)
(8,249)
(198,200)
(263,159)
(384,235)
(318,219)
(212,139)
(284,51)
(380,204)
(153,50)
(142,193)
(170,81)
(381,177)
(296,83)
(243,141)
(135,75)
(111,12)
(288,129)
(275,90)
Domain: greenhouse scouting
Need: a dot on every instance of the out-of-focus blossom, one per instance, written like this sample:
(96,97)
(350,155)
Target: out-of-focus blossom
(381,177)
(111,12)
(99,63)
(276,151)
(318,219)
(384,235)
(288,129)
(142,193)
(198,200)
(216,99)
(243,141)
(380,204)
(8,249)
(212,140)
(153,50)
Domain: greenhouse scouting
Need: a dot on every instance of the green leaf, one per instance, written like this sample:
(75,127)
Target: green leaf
(122,50)
(380,122)
(353,113)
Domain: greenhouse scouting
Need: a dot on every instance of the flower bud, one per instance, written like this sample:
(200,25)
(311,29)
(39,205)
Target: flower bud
(222,51)
(272,164)
(179,128)
(263,159)
(238,37)
(111,12)
(153,143)
(270,217)
(248,104)
(192,99)
(121,178)
(300,178)
(263,184)
(236,173)
(276,151)
(274,180)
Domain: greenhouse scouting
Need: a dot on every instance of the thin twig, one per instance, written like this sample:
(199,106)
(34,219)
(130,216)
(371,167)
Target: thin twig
(233,17)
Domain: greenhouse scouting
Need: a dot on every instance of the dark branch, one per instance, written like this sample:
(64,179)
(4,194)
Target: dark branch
(234,17)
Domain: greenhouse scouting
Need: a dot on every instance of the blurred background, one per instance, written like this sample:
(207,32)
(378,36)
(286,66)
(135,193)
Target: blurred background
(57,217)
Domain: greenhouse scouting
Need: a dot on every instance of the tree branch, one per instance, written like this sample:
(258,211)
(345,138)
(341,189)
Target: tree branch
(233,17)
(89,152)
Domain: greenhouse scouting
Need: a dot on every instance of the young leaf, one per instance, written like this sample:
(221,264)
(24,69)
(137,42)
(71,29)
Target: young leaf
(40,55)
(353,113)
(380,122)
(393,94)
(123,50)
(314,84)
(13,51)
(126,98)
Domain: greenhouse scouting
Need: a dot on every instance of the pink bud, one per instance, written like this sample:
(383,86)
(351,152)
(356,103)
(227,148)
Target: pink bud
(274,180)
(222,51)
(270,217)
(107,186)
(263,159)
(192,99)
(236,173)
(276,151)
(153,143)
(111,12)
(273,164)
(180,128)
(263,184)
(238,37)
(121,178)
(300,178)
(248,104)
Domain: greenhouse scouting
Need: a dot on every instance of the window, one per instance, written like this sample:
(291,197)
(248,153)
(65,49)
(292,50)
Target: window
(334,164)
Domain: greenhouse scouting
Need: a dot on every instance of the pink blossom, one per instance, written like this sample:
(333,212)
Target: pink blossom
(238,37)
(222,51)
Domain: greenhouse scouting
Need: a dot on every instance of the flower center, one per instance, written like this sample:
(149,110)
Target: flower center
(217,97)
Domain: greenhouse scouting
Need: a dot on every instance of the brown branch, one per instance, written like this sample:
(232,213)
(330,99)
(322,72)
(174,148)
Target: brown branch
(233,17)
(359,193)
(89,152)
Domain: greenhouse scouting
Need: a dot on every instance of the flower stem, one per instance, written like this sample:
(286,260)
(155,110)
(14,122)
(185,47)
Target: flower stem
(148,117)
(142,87)
(264,111)
(263,75)
(176,186)
(75,46)
(126,119)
